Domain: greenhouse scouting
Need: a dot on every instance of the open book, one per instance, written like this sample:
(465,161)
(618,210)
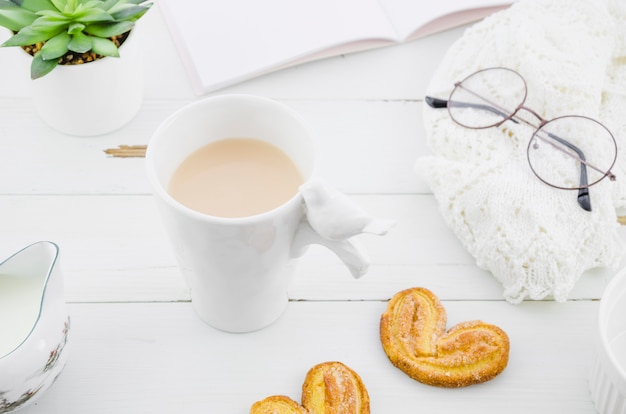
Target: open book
(223,42)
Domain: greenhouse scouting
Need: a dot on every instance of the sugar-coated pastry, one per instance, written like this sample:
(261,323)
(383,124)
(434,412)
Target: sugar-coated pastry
(333,388)
(277,404)
(412,332)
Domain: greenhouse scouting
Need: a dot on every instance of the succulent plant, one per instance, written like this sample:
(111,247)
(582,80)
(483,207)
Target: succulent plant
(62,27)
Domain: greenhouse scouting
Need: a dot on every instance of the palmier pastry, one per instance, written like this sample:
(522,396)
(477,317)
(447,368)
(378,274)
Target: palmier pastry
(329,388)
(333,388)
(412,332)
(277,404)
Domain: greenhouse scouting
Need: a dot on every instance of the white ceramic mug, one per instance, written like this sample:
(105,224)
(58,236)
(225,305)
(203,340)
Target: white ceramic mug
(238,269)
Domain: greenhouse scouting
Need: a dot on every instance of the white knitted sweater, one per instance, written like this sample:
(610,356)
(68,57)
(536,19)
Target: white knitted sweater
(533,238)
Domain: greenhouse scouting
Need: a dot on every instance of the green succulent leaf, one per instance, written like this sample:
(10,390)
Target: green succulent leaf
(13,17)
(70,6)
(119,5)
(93,16)
(40,67)
(75,28)
(60,5)
(131,13)
(47,24)
(74,9)
(122,5)
(80,43)
(94,4)
(74,4)
(28,36)
(53,15)
(107,4)
(35,5)
(104,47)
(55,47)
(108,30)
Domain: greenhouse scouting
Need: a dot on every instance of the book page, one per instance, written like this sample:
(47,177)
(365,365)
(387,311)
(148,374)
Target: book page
(413,19)
(224,42)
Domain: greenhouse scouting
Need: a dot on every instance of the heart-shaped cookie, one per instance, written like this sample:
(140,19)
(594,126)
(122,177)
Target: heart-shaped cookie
(413,335)
(277,404)
(329,388)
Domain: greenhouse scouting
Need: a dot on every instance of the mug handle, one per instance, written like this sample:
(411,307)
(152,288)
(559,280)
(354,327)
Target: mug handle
(355,258)
(332,219)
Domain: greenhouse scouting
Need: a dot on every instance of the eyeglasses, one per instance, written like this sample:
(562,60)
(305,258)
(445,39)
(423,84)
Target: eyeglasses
(569,152)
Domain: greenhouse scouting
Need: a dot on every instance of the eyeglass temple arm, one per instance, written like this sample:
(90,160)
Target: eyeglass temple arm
(436,102)
(584,200)
(442,103)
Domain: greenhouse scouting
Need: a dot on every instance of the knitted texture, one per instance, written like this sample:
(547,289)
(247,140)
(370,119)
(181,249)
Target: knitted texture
(533,238)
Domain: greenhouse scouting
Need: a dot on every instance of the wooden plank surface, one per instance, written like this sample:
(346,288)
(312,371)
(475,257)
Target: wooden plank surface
(114,249)
(42,161)
(160,358)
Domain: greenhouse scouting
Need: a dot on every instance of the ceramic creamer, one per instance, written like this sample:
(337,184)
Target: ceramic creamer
(34,324)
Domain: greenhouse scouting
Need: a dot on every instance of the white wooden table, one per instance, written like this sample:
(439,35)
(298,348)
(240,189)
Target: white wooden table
(137,346)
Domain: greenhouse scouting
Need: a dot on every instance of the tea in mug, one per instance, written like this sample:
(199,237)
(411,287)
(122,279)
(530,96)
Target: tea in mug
(235,177)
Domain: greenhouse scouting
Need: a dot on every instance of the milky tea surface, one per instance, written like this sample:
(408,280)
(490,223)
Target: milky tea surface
(235,177)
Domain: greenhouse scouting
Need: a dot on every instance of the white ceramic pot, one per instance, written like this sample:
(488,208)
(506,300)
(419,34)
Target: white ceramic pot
(608,373)
(93,98)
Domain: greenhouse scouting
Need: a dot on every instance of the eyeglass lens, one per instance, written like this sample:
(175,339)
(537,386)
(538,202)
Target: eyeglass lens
(487,98)
(559,147)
